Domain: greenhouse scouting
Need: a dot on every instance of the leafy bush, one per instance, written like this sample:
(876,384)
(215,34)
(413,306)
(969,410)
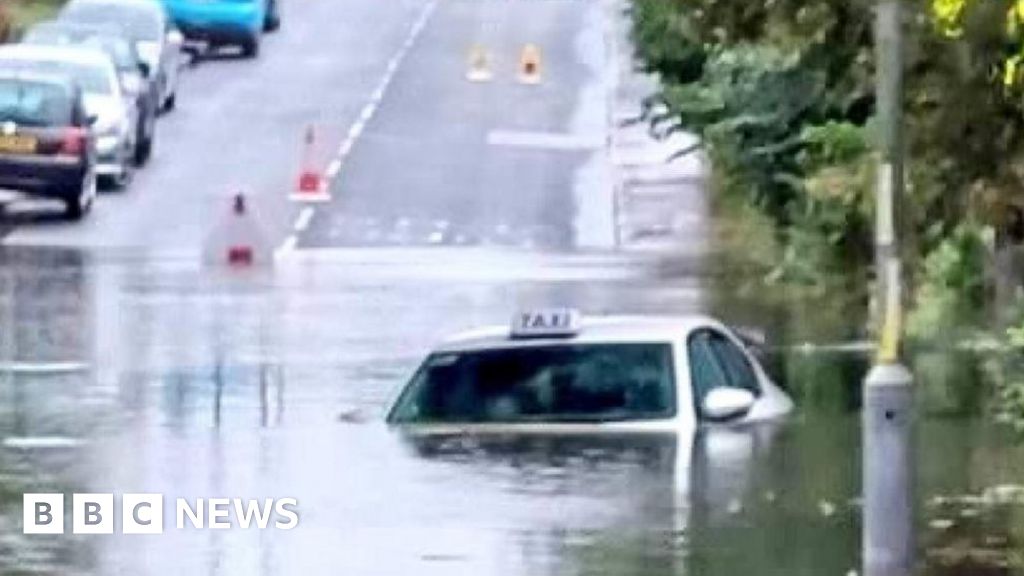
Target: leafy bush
(1007,372)
(781,93)
(952,288)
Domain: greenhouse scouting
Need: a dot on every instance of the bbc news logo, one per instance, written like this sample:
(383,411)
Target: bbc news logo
(144,513)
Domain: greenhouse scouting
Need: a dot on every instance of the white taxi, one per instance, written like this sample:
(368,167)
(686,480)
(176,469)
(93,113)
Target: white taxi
(557,371)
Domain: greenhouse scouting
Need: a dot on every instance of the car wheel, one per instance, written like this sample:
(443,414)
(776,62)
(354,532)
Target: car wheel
(272,23)
(251,46)
(122,180)
(82,198)
(171,102)
(273,19)
(144,145)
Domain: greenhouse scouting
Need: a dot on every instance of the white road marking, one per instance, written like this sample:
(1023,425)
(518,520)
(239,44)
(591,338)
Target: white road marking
(365,115)
(333,168)
(43,367)
(543,140)
(30,442)
(485,264)
(355,130)
(305,216)
(287,247)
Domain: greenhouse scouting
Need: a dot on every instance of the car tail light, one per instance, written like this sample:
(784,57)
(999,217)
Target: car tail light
(73,142)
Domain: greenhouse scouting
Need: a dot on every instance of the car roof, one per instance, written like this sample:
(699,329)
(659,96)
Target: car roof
(592,330)
(74,54)
(153,5)
(73,27)
(39,77)
(106,38)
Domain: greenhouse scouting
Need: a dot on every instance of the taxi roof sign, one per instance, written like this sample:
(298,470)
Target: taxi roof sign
(547,323)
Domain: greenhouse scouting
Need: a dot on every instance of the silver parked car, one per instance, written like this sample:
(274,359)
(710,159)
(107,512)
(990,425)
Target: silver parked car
(145,22)
(132,72)
(114,116)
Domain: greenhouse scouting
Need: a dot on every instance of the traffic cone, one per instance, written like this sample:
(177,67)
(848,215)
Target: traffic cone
(479,65)
(238,239)
(312,187)
(529,65)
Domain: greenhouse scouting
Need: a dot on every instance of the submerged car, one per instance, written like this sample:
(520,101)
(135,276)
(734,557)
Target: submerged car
(554,370)
(115,118)
(47,148)
(225,22)
(133,73)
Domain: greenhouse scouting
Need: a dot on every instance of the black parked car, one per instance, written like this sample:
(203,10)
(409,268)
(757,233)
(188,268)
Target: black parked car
(47,147)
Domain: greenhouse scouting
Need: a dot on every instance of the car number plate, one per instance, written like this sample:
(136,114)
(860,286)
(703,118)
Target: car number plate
(18,144)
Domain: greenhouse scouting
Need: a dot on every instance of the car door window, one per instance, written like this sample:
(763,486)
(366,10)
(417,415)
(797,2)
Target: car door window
(715,362)
(735,364)
(705,372)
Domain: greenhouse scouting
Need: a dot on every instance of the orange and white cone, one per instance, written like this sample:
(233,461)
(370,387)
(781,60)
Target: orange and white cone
(530,65)
(479,65)
(312,186)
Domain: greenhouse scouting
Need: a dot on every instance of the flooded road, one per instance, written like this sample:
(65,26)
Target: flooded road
(123,374)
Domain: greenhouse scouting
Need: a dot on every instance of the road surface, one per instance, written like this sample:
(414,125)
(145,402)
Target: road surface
(403,136)
(127,364)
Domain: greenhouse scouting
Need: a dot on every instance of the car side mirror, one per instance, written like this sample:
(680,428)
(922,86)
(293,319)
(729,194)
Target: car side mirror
(144,69)
(721,404)
(174,37)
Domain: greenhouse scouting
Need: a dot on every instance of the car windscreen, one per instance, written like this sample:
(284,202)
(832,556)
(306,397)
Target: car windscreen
(34,103)
(138,22)
(92,79)
(119,51)
(557,383)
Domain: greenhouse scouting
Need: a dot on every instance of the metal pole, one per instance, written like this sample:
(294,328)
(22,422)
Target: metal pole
(888,533)
(889,101)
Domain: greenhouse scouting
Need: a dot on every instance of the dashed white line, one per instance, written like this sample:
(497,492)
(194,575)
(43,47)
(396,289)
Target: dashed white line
(288,246)
(356,129)
(333,168)
(365,115)
(305,216)
(31,442)
(43,367)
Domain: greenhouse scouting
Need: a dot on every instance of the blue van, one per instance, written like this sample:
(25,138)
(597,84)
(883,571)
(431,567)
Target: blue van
(225,22)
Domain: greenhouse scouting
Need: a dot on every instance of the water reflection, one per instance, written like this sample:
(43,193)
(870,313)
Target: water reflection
(201,384)
(46,332)
(640,503)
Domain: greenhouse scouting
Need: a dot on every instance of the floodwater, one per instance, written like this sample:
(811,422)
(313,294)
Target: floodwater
(125,374)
